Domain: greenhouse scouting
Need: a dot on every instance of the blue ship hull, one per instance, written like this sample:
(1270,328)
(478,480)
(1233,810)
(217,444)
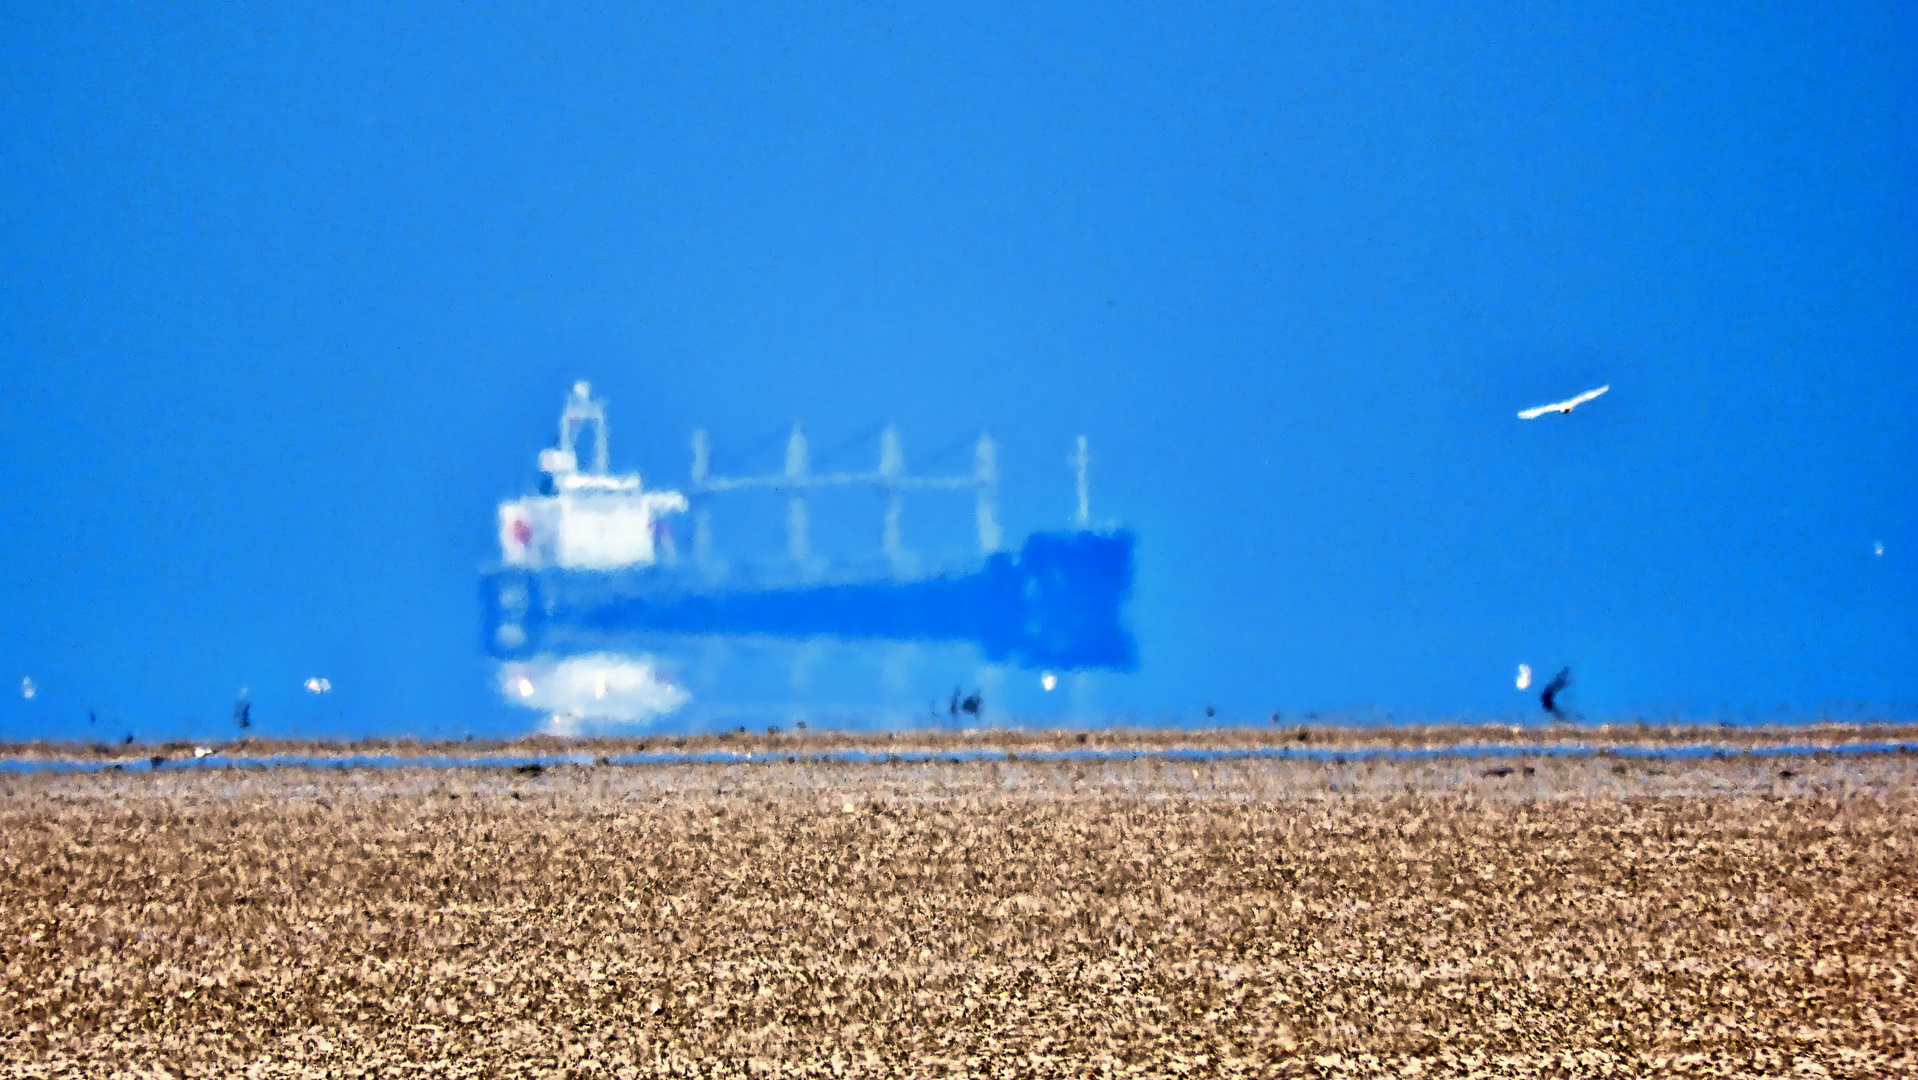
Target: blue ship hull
(1056,604)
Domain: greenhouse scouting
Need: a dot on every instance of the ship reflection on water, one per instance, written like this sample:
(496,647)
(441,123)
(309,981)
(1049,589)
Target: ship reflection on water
(599,625)
(694,684)
(580,693)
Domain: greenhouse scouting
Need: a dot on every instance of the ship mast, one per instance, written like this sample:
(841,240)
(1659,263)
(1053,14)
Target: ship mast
(581,410)
(1078,461)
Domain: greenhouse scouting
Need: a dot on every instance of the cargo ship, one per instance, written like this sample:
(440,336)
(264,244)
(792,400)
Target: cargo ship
(589,565)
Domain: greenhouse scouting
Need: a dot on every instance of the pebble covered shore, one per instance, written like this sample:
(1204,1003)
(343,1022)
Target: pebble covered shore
(1003,916)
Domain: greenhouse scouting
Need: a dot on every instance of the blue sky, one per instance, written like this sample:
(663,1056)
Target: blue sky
(291,297)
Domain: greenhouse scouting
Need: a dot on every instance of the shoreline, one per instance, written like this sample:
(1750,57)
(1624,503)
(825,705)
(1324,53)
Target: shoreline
(1438,738)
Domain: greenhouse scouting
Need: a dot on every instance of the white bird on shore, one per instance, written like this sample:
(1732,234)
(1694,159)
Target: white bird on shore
(1563,406)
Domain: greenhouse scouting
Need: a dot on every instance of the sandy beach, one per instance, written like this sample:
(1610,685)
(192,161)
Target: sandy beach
(1547,915)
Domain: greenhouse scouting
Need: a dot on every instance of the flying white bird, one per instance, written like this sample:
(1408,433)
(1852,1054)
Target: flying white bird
(1524,676)
(317,686)
(1563,406)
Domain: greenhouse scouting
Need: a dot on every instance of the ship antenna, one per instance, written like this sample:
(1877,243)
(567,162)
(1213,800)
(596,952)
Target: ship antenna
(1078,461)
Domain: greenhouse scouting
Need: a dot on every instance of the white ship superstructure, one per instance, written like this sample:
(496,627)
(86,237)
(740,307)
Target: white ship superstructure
(585,520)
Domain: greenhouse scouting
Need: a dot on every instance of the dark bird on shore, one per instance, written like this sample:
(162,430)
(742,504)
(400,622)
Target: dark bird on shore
(1549,698)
